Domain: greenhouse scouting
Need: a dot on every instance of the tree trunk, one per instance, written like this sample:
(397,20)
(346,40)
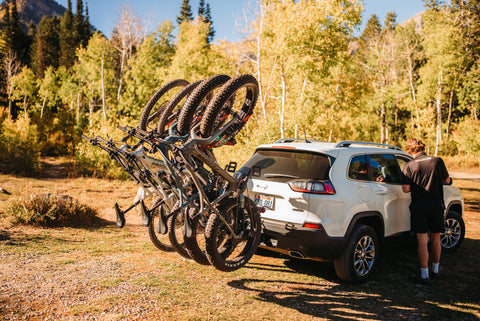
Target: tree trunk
(90,112)
(383,118)
(122,63)
(43,106)
(414,97)
(259,73)
(302,97)
(25,105)
(103,92)
(11,66)
(449,118)
(77,115)
(439,112)
(282,111)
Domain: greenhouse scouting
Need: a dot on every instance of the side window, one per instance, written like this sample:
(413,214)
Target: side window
(402,161)
(358,168)
(384,168)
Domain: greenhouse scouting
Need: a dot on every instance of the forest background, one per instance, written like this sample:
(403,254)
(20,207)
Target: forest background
(62,78)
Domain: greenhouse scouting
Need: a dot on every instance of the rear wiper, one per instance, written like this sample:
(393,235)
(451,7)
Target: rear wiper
(279,176)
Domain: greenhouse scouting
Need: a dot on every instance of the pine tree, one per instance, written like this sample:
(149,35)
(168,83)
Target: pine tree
(391,20)
(185,12)
(205,16)
(19,39)
(7,35)
(433,4)
(67,38)
(87,30)
(208,19)
(201,8)
(372,28)
(81,33)
(46,47)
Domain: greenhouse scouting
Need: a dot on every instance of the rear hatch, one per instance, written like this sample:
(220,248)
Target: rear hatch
(283,180)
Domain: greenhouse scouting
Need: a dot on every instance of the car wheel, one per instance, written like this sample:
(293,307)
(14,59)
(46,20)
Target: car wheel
(358,261)
(452,237)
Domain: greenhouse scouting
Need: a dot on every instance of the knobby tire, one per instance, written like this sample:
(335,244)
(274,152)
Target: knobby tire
(145,117)
(194,104)
(216,232)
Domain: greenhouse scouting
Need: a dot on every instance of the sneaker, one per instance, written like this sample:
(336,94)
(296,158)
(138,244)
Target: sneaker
(434,275)
(422,281)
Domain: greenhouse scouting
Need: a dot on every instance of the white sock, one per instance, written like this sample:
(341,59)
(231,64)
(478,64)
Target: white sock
(424,273)
(435,267)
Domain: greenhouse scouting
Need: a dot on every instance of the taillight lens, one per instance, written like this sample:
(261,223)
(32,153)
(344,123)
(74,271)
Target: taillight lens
(312,187)
(312,226)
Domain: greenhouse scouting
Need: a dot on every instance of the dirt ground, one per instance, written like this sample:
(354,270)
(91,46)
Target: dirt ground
(106,273)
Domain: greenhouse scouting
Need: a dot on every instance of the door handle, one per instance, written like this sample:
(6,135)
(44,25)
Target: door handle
(381,191)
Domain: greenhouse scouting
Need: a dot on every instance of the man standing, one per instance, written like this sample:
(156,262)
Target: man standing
(423,178)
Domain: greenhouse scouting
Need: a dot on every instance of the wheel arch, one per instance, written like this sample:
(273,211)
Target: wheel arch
(372,218)
(455,206)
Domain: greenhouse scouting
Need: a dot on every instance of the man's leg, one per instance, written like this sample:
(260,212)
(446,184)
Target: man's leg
(436,249)
(422,250)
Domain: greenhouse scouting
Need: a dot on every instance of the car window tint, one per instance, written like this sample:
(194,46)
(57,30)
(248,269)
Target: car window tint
(357,169)
(401,162)
(281,165)
(384,168)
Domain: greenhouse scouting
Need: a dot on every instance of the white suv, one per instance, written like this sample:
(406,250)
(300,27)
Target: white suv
(338,202)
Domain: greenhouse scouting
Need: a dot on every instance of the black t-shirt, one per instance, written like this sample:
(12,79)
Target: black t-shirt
(425,174)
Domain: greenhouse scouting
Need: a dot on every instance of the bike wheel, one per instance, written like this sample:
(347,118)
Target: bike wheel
(170,112)
(193,109)
(245,220)
(161,241)
(223,108)
(175,233)
(150,113)
(196,244)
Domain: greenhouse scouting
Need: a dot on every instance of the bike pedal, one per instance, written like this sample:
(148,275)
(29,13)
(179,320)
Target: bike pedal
(146,217)
(120,216)
(162,222)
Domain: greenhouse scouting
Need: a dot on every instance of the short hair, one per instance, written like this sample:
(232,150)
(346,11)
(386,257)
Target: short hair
(414,146)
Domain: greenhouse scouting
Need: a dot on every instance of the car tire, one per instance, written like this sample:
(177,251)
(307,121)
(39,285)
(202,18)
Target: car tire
(454,233)
(358,260)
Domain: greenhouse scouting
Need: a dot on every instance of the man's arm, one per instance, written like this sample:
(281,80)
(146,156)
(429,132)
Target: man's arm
(448,180)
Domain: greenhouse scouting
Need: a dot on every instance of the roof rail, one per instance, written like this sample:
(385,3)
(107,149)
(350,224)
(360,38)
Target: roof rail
(347,143)
(292,140)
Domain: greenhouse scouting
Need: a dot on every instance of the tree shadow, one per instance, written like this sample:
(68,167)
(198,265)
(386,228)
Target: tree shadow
(472,205)
(391,294)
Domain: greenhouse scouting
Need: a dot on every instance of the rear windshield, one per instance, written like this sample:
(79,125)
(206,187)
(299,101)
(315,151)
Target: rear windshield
(284,165)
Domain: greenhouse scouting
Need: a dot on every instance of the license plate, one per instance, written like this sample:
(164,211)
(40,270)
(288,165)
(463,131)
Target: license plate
(265,201)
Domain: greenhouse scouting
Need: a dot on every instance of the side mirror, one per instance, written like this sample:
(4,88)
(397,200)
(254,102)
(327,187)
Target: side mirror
(449,183)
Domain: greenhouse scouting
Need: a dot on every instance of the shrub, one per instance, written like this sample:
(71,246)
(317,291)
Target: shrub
(92,161)
(50,210)
(467,138)
(20,151)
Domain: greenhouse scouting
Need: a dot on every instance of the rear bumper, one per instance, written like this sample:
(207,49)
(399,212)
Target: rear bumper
(301,242)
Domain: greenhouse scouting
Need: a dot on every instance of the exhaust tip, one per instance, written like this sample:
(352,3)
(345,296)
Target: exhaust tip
(296,254)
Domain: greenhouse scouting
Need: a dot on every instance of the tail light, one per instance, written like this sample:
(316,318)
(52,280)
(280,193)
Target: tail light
(312,226)
(313,187)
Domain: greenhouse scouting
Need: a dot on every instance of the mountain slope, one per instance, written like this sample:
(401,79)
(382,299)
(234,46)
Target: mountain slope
(34,10)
